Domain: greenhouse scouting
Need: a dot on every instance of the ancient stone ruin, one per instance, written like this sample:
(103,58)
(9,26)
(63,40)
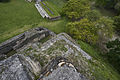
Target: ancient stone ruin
(22,39)
(43,55)
(42,11)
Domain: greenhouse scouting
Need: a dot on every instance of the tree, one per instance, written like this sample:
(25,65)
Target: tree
(83,30)
(93,15)
(109,4)
(117,24)
(113,55)
(105,25)
(106,3)
(117,7)
(100,2)
(114,46)
(76,9)
(105,31)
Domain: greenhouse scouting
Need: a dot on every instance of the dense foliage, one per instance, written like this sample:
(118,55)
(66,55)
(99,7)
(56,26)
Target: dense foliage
(105,32)
(83,30)
(87,24)
(76,9)
(117,24)
(109,4)
(114,53)
(93,15)
(106,26)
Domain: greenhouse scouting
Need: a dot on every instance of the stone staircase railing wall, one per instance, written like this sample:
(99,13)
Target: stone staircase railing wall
(42,12)
(55,18)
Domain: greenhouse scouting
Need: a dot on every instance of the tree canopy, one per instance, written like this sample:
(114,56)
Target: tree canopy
(105,25)
(117,24)
(109,4)
(76,9)
(93,15)
(83,30)
(114,53)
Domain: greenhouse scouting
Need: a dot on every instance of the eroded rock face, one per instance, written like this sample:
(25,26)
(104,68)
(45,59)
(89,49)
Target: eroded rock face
(16,67)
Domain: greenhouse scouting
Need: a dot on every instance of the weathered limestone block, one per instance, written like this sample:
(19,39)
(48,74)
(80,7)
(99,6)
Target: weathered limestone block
(60,69)
(17,67)
(30,35)
(65,73)
(8,45)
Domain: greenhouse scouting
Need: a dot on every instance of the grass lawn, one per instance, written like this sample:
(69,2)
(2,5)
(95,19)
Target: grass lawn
(18,16)
(55,26)
(103,70)
(15,15)
(57,4)
(55,13)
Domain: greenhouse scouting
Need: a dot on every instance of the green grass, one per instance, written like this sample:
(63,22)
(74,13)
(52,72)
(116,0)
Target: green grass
(55,13)
(55,26)
(57,4)
(18,16)
(103,70)
(15,15)
(89,49)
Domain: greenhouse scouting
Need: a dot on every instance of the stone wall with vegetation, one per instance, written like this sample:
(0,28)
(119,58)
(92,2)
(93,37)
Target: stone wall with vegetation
(18,41)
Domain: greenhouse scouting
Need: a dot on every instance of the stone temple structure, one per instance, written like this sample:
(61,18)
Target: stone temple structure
(40,54)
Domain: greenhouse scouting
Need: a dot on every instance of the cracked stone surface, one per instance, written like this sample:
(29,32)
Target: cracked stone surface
(59,45)
(65,73)
(31,59)
(16,67)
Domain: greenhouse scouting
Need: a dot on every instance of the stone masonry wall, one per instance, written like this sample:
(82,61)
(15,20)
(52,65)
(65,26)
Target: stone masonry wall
(24,38)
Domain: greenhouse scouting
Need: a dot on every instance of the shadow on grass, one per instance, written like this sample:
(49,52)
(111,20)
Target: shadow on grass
(4,1)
